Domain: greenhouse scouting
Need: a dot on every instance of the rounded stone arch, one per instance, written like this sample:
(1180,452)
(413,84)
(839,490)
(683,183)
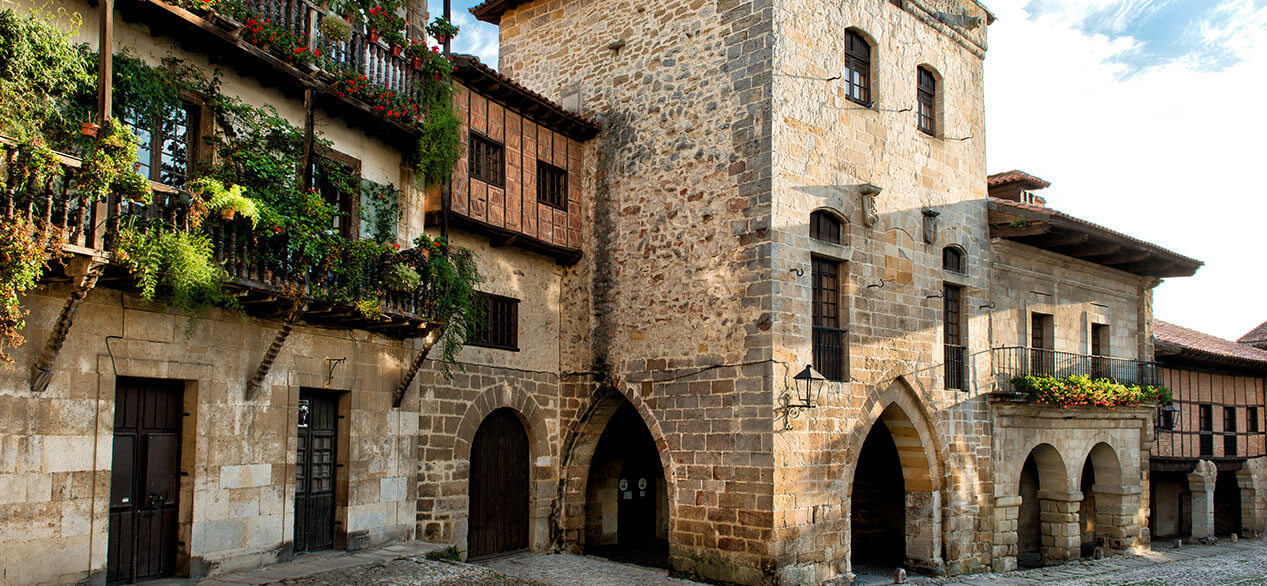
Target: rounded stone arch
(841,219)
(1107,466)
(567,518)
(1053,471)
(541,479)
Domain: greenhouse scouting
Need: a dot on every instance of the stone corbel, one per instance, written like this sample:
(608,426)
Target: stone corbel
(85,271)
(292,317)
(869,215)
(433,333)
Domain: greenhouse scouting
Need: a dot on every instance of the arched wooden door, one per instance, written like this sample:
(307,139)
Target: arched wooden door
(499,486)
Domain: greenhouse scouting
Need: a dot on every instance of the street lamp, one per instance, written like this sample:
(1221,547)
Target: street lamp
(807,386)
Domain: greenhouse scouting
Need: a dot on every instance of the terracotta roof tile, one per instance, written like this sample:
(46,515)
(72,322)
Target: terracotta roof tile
(1180,340)
(1257,335)
(1015,176)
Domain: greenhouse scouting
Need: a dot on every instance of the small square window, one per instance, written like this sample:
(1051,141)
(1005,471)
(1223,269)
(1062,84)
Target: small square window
(487,160)
(500,328)
(552,186)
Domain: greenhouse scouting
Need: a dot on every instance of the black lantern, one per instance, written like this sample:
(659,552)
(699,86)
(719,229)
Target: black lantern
(808,386)
(1168,413)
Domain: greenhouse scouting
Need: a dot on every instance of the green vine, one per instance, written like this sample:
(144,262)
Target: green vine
(174,267)
(24,252)
(380,210)
(440,142)
(112,166)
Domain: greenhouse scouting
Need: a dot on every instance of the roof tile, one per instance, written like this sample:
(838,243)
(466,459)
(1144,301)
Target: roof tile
(1180,339)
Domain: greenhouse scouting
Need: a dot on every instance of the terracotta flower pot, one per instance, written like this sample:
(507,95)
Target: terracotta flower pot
(373,36)
(89,129)
(417,63)
(397,50)
(442,39)
(228,214)
(348,18)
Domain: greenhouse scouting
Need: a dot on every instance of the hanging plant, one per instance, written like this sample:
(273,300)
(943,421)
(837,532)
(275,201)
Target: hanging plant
(439,142)
(228,201)
(402,278)
(335,29)
(35,162)
(174,267)
(442,30)
(112,160)
(133,187)
(22,260)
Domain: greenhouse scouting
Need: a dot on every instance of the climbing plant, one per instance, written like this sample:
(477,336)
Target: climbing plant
(24,252)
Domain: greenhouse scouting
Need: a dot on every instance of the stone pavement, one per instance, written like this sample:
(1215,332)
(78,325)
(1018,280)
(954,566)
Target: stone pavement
(565,569)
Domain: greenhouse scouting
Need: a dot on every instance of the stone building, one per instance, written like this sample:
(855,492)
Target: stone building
(1208,460)
(766,190)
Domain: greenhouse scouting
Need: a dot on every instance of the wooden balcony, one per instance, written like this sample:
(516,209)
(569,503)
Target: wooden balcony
(263,273)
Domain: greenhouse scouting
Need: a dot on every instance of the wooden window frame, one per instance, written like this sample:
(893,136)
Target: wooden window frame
(1229,431)
(195,124)
(960,260)
(350,207)
(926,100)
(821,220)
(1251,419)
(1205,427)
(827,318)
(480,334)
(545,191)
(479,167)
(857,76)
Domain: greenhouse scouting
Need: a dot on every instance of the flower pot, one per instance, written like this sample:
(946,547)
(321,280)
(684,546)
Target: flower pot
(373,36)
(439,76)
(442,39)
(89,129)
(228,214)
(348,18)
(417,63)
(397,50)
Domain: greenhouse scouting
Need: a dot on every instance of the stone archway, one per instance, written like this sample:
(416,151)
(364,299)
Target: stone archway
(576,502)
(896,456)
(1107,513)
(1047,511)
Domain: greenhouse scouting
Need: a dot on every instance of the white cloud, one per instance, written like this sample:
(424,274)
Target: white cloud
(1169,154)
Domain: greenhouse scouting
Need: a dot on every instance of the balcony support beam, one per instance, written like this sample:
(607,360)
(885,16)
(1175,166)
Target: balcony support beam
(292,317)
(432,335)
(85,271)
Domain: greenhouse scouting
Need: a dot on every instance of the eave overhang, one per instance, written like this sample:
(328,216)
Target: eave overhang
(482,79)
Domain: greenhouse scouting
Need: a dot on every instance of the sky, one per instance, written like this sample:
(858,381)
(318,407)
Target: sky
(1146,116)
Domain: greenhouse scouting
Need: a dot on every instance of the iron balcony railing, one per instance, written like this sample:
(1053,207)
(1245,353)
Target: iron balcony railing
(829,352)
(956,367)
(1022,361)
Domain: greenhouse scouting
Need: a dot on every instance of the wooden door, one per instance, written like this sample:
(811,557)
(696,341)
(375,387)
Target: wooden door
(636,503)
(499,486)
(144,479)
(315,470)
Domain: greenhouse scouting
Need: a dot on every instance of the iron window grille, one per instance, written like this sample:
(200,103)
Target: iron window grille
(500,327)
(828,336)
(857,68)
(552,186)
(927,98)
(487,160)
(955,337)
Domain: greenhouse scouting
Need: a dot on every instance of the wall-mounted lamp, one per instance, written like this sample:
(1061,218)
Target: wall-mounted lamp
(808,385)
(1169,412)
(930,225)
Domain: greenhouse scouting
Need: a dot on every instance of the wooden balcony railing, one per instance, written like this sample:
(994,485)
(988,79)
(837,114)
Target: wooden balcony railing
(262,272)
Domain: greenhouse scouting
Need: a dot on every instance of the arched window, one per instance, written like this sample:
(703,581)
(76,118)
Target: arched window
(926,94)
(952,259)
(857,68)
(824,226)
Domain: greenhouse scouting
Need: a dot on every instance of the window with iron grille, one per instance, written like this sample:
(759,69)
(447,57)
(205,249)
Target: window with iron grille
(552,186)
(927,98)
(857,68)
(165,150)
(500,327)
(487,161)
(824,226)
(828,332)
(955,336)
(1229,431)
(952,259)
(1205,423)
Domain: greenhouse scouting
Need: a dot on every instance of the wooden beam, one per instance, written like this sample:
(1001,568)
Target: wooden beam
(1054,239)
(1125,257)
(266,364)
(1029,230)
(86,271)
(1094,249)
(1151,265)
(432,336)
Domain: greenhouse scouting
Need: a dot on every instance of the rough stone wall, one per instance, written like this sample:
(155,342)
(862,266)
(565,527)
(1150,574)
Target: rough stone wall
(673,284)
(825,149)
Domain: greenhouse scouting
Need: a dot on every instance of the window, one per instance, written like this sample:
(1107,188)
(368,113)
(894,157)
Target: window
(952,259)
(824,226)
(857,68)
(926,95)
(337,179)
(829,336)
(955,338)
(1251,419)
(1205,423)
(1042,336)
(1100,364)
(487,162)
(166,150)
(1229,431)
(552,186)
(500,328)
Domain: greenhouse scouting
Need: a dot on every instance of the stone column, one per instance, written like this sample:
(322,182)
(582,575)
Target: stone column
(1252,480)
(1201,483)
(1062,537)
(1117,515)
(923,532)
(1007,510)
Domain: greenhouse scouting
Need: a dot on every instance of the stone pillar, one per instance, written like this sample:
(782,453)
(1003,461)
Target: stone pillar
(1006,541)
(1201,483)
(1252,480)
(1117,515)
(1062,537)
(923,532)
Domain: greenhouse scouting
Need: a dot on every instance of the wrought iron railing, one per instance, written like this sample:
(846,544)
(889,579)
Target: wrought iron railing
(956,367)
(1021,361)
(265,265)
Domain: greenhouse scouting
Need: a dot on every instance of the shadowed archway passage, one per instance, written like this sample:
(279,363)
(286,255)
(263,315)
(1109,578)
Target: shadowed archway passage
(626,501)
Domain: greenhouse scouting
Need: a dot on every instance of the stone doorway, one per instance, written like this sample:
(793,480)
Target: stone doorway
(626,499)
(1047,522)
(499,490)
(1227,504)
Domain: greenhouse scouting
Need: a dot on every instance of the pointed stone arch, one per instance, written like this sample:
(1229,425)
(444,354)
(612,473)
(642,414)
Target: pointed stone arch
(913,433)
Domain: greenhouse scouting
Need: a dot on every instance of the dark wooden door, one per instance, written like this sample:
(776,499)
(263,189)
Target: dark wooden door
(144,479)
(499,486)
(636,503)
(314,471)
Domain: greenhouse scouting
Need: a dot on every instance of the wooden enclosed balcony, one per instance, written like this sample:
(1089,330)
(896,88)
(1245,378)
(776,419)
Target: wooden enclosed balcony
(264,274)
